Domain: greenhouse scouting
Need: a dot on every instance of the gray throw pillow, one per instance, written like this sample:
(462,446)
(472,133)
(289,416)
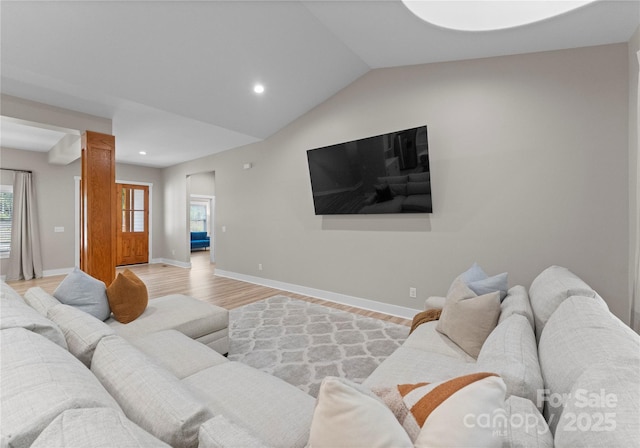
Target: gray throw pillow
(491,284)
(84,292)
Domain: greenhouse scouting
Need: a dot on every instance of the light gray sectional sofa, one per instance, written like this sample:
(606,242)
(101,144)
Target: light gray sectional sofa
(571,369)
(69,379)
(198,320)
(562,354)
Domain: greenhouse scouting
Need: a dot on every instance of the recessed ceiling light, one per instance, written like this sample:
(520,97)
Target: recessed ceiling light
(258,88)
(489,15)
(143,153)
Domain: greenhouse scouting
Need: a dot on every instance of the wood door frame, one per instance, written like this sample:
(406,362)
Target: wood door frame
(77,215)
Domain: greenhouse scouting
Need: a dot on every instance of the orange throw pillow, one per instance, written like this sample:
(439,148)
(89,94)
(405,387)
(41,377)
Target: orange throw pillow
(128,297)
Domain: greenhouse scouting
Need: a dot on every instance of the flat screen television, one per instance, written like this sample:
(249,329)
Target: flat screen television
(388,173)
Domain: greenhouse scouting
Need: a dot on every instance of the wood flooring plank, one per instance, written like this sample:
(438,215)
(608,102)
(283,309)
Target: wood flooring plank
(200,282)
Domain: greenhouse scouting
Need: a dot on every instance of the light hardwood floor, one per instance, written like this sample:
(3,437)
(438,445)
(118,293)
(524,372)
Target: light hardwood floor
(201,282)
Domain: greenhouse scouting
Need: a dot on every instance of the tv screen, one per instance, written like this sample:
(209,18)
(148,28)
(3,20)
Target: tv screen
(388,173)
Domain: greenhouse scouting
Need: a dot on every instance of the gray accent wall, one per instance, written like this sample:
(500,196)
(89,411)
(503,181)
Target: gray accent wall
(529,161)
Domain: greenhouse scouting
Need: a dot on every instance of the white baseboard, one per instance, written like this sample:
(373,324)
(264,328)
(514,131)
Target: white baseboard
(343,299)
(65,271)
(47,273)
(180,264)
(54,272)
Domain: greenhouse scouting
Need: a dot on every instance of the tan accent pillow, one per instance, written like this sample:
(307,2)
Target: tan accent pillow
(466,411)
(468,319)
(128,297)
(460,412)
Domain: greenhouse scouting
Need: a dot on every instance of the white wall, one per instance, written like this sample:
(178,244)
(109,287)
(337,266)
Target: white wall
(529,159)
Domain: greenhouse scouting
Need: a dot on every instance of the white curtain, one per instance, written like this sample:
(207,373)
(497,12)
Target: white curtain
(635,301)
(25,260)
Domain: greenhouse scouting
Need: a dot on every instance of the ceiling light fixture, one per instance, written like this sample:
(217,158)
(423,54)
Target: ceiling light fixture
(143,153)
(258,88)
(489,15)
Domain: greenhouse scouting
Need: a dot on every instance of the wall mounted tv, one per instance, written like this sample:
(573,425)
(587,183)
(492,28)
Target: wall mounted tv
(388,173)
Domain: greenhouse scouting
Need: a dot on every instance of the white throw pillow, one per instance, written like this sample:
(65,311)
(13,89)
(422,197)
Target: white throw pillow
(348,415)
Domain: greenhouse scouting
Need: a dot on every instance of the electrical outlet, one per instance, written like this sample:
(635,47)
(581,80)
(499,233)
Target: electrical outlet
(259,266)
(413,293)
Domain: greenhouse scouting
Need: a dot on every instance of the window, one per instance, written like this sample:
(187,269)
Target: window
(6,216)
(198,216)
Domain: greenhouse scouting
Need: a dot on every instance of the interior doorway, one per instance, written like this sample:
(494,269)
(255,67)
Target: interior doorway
(202,200)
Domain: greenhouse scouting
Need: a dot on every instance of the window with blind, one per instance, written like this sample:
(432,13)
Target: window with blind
(198,216)
(6,216)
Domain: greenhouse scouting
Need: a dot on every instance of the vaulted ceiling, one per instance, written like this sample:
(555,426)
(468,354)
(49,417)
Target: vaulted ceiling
(176,77)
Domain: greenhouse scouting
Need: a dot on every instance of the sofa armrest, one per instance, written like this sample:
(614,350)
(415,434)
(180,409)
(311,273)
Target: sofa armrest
(219,432)
(434,302)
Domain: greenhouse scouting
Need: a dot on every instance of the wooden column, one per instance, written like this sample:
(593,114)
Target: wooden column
(97,206)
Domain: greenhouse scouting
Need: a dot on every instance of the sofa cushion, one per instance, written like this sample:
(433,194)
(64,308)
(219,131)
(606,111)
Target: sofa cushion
(417,203)
(38,381)
(40,300)
(468,319)
(602,409)
(82,331)
(149,395)
(128,296)
(15,313)
(177,353)
(189,316)
(410,365)
(393,180)
(272,410)
(549,289)
(426,338)
(95,428)
(85,293)
(517,302)
(418,188)
(582,333)
(523,426)
(420,177)
(511,352)
(219,432)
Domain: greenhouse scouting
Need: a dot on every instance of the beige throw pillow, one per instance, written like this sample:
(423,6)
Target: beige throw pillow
(468,319)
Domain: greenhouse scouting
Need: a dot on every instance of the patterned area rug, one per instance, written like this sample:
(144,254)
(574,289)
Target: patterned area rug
(302,342)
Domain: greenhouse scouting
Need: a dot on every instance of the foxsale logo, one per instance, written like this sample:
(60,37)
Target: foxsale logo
(590,411)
